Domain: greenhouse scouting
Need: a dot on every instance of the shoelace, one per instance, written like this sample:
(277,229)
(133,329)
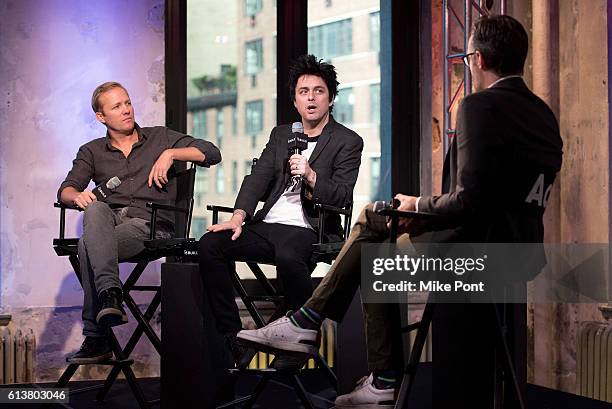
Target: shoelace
(361,383)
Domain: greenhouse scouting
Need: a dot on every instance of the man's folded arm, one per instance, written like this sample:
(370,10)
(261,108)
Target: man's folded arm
(187,148)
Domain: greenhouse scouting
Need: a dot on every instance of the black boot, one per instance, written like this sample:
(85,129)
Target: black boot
(93,350)
(112,312)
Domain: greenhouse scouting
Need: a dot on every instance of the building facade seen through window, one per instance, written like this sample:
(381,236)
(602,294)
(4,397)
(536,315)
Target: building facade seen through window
(331,39)
(231,78)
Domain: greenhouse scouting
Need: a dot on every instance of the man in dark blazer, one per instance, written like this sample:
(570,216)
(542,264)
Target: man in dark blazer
(497,180)
(285,229)
(500,170)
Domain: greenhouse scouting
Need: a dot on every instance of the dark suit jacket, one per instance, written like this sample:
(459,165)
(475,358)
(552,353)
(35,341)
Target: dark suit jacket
(500,167)
(335,159)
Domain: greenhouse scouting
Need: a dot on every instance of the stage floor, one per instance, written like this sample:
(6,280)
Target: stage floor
(279,396)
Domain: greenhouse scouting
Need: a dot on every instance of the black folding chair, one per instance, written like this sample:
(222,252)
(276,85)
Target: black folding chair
(155,249)
(322,252)
(422,327)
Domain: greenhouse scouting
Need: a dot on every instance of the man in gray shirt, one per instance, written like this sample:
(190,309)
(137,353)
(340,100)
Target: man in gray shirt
(115,229)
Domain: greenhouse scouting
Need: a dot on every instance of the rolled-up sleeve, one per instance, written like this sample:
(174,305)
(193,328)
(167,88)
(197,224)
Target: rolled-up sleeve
(212,155)
(81,173)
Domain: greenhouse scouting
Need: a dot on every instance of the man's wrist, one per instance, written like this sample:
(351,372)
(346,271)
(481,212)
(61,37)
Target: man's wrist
(311,178)
(240,213)
(171,153)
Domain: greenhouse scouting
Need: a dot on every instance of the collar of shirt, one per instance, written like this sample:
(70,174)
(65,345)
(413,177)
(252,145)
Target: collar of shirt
(504,78)
(141,138)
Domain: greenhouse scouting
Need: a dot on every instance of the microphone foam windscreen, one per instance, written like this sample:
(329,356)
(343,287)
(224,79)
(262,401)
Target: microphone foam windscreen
(297,127)
(113,183)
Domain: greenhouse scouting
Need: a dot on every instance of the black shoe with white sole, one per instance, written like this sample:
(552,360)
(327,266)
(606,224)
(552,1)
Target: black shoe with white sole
(93,351)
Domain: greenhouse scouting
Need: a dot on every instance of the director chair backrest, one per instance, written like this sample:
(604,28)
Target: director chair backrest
(185,185)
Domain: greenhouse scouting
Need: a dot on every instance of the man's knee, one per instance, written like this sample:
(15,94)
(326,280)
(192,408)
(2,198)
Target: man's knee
(212,243)
(291,260)
(365,212)
(96,210)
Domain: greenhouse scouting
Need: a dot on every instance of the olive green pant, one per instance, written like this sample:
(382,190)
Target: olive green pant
(335,293)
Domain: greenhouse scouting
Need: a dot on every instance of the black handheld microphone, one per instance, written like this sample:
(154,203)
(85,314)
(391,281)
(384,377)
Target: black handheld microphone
(381,205)
(298,141)
(103,190)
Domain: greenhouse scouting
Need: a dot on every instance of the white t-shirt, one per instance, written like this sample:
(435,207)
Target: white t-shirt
(288,208)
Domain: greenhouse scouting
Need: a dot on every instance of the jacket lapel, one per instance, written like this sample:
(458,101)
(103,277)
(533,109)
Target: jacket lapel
(323,140)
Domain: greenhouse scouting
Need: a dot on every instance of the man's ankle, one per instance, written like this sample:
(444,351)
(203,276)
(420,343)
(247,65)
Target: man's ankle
(386,379)
(306,318)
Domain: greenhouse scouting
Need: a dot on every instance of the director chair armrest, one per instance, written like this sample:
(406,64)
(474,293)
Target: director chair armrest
(62,220)
(218,209)
(325,210)
(333,209)
(394,215)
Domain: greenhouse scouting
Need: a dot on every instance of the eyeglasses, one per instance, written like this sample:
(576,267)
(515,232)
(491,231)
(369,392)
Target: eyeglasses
(466,58)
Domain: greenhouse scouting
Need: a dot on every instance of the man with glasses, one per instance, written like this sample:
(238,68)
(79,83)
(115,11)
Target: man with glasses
(497,177)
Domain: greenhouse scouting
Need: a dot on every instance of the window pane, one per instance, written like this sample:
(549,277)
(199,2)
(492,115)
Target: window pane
(331,39)
(375,103)
(202,181)
(253,53)
(220,181)
(252,7)
(199,124)
(254,117)
(375,31)
(220,128)
(343,106)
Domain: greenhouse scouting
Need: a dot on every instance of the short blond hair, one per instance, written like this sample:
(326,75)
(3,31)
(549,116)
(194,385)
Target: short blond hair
(101,89)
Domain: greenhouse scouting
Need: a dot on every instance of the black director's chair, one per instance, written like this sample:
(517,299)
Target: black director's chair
(155,249)
(322,251)
(422,326)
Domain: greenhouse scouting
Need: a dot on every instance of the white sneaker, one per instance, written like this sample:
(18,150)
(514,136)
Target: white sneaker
(282,335)
(367,396)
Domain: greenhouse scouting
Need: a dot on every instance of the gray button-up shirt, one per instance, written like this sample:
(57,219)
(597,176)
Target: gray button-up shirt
(99,161)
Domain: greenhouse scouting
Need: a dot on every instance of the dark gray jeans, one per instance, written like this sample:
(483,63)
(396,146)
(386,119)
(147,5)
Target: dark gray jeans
(109,236)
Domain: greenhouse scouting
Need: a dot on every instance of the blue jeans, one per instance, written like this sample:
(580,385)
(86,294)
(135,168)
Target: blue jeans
(109,237)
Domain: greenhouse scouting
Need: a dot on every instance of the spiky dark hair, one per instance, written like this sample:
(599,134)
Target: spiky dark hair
(308,64)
